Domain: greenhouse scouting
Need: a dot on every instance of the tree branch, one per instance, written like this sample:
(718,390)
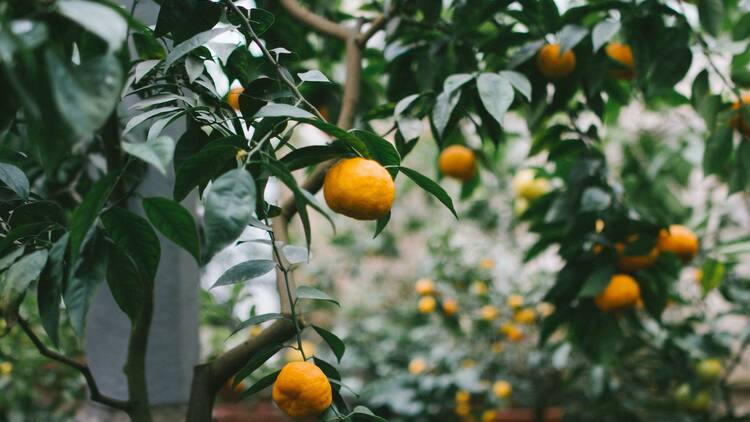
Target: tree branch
(209,377)
(96,395)
(315,21)
(279,70)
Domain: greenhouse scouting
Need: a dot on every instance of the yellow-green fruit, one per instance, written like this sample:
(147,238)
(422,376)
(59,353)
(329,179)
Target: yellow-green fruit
(708,370)
(682,394)
(527,186)
(701,402)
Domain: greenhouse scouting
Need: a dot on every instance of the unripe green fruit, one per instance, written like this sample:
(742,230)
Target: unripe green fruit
(709,370)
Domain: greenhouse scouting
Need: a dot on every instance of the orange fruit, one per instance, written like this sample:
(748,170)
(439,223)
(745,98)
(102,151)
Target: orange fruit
(525,316)
(514,301)
(426,305)
(622,292)
(680,241)
(622,54)
(489,312)
(359,188)
(737,122)
(527,186)
(450,307)
(458,162)
(554,65)
(233,97)
(417,366)
(302,390)
(502,389)
(634,262)
(424,286)
(512,331)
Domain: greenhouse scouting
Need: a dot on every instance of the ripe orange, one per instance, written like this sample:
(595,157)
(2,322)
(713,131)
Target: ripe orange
(450,307)
(622,54)
(502,389)
(631,263)
(302,390)
(527,186)
(426,305)
(489,312)
(622,292)
(525,316)
(554,65)
(680,241)
(359,188)
(417,366)
(233,98)
(458,162)
(424,286)
(737,121)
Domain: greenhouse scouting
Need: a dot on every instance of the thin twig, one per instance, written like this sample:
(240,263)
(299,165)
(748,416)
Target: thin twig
(279,69)
(96,395)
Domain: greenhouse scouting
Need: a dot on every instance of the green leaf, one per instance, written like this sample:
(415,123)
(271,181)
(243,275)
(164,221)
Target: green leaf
(147,46)
(570,36)
(453,82)
(8,260)
(718,148)
(191,44)
(15,179)
(313,76)
(88,272)
(603,32)
(380,150)
(741,30)
(445,103)
(50,287)
(36,212)
(595,199)
(496,94)
(256,361)
(157,152)
(208,163)
(229,206)
(18,278)
(340,134)
(87,212)
(313,154)
(261,384)
(100,20)
(430,186)
(337,346)
(142,117)
(596,282)
(175,222)
(711,13)
(381,224)
(283,110)
(519,81)
(311,293)
(125,281)
(245,271)
(713,274)
(300,199)
(135,236)
(85,95)
(361,413)
(255,320)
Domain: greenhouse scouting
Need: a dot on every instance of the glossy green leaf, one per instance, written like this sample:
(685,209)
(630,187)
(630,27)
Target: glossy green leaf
(50,288)
(15,179)
(157,152)
(125,281)
(18,278)
(311,293)
(97,18)
(191,44)
(245,271)
(496,94)
(135,236)
(431,187)
(229,206)
(87,212)
(255,320)
(337,346)
(173,221)
(603,32)
(256,361)
(264,382)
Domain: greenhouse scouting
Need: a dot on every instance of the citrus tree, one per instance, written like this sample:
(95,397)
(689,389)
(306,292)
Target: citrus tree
(73,159)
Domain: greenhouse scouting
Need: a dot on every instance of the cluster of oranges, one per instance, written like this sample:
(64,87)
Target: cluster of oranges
(500,389)
(623,291)
(427,301)
(555,64)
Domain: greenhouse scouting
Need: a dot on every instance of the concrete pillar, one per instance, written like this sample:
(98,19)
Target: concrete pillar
(173,347)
